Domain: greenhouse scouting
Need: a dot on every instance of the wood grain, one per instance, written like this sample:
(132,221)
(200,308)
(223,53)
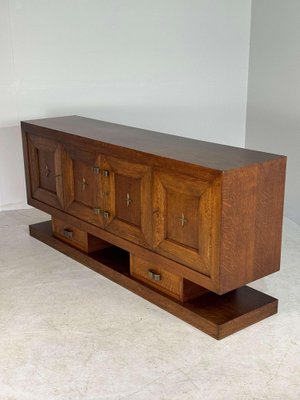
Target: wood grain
(210,155)
(218,316)
(169,283)
(251,223)
(130,182)
(214,222)
(79,239)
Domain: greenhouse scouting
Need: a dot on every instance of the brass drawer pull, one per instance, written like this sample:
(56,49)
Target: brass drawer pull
(154,276)
(105,172)
(68,233)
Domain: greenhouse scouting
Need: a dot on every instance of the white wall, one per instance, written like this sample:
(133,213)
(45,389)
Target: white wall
(169,65)
(273,116)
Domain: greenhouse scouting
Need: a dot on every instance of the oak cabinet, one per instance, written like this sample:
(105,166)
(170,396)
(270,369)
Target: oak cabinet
(184,223)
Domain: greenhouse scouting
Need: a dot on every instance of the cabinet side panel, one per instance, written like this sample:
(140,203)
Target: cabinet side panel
(251,229)
(269,215)
(26,161)
(237,227)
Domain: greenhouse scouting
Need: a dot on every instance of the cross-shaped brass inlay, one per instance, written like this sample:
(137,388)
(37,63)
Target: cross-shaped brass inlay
(128,200)
(182,220)
(47,171)
(83,184)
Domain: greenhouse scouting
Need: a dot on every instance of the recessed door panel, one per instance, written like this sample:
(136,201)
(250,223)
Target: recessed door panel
(128,199)
(128,202)
(182,219)
(45,166)
(83,186)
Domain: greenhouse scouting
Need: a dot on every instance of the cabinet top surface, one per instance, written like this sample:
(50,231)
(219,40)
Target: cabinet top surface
(205,154)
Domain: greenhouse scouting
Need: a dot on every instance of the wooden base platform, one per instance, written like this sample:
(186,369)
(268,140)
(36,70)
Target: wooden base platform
(218,316)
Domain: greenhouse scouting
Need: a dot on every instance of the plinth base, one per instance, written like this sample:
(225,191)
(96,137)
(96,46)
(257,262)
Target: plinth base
(218,316)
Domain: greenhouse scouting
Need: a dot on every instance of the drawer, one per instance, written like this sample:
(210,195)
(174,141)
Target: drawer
(167,282)
(76,237)
(155,276)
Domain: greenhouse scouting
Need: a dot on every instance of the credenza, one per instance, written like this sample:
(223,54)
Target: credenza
(185,224)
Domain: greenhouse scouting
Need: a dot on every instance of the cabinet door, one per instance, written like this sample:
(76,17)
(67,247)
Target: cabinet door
(82,184)
(45,170)
(182,218)
(128,195)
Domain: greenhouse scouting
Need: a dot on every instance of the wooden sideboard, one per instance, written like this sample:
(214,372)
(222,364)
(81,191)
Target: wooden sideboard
(184,223)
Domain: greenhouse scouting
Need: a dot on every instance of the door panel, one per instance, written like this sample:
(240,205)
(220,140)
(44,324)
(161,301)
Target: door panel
(45,170)
(83,187)
(183,219)
(129,201)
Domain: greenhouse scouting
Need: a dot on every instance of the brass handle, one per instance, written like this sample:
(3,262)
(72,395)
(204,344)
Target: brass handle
(105,172)
(153,275)
(68,233)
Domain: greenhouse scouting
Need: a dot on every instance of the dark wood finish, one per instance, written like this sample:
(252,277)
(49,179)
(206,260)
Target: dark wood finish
(205,214)
(252,211)
(229,213)
(167,263)
(45,170)
(170,283)
(183,219)
(218,316)
(77,238)
(82,187)
(129,200)
(209,155)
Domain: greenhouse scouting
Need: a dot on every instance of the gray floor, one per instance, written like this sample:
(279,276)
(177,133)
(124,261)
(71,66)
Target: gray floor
(68,333)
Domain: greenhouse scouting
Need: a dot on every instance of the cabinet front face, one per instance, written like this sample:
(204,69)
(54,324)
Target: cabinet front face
(45,170)
(82,184)
(182,210)
(127,200)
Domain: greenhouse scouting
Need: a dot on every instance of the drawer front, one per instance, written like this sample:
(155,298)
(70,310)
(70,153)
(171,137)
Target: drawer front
(76,237)
(155,276)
